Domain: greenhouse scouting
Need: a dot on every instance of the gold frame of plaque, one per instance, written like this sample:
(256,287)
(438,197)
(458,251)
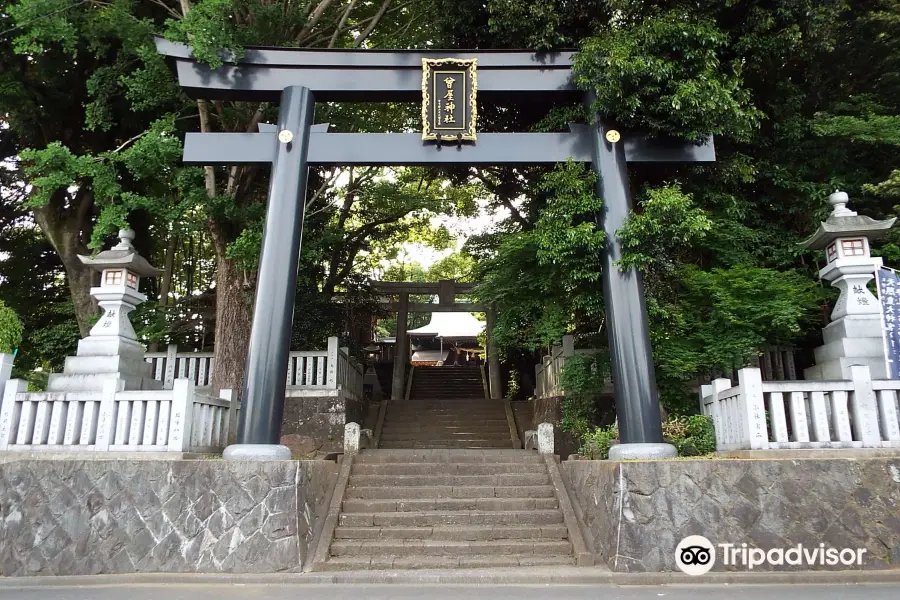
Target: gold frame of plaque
(467,68)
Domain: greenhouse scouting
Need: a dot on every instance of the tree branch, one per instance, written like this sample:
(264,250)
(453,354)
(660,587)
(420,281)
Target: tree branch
(167,8)
(313,20)
(362,36)
(340,25)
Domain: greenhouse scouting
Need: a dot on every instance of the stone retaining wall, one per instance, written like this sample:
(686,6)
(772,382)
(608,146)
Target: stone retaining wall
(82,517)
(314,425)
(636,512)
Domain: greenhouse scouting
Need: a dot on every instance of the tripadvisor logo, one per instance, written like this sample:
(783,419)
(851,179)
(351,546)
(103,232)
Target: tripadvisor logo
(696,555)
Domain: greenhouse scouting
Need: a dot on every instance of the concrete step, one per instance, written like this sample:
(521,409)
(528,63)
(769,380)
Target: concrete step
(361,563)
(463,412)
(454,532)
(445,468)
(517,547)
(447,456)
(429,435)
(447,491)
(455,517)
(449,445)
(452,480)
(455,418)
(391,430)
(423,504)
(417,422)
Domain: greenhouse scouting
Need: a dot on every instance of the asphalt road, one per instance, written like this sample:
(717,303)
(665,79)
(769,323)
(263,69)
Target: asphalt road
(435,592)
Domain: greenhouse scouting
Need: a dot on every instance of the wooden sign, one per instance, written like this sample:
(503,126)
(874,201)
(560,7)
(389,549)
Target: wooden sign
(449,91)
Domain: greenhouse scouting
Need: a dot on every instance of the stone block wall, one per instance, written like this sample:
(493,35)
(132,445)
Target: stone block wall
(314,425)
(82,517)
(636,512)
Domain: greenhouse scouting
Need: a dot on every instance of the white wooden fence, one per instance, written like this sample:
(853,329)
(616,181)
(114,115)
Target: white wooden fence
(329,369)
(547,374)
(758,415)
(176,420)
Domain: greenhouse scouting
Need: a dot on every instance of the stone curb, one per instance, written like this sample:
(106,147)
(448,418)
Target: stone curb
(522,576)
(323,544)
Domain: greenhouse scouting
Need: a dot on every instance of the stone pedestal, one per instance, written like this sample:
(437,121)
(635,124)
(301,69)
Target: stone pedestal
(849,341)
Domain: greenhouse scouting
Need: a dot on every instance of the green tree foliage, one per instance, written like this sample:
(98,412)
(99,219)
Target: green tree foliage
(10,329)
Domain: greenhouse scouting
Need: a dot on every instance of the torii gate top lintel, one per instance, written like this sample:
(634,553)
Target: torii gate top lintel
(357,75)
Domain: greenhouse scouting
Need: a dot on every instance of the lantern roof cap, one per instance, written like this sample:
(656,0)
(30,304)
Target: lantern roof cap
(843,222)
(122,255)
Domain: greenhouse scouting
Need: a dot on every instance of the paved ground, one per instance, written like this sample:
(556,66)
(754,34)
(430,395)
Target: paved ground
(486,592)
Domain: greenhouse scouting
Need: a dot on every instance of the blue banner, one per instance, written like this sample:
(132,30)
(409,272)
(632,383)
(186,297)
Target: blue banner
(889,295)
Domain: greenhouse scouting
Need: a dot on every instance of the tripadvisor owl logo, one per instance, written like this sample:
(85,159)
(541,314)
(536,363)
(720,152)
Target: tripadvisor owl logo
(695,555)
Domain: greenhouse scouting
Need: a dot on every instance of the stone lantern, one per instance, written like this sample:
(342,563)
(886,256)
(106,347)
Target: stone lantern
(854,335)
(111,350)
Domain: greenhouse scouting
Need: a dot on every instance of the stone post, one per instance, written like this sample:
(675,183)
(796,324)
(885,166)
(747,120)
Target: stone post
(6,365)
(494,375)
(545,438)
(8,414)
(753,420)
(351,439)
(401,350)
(863,408)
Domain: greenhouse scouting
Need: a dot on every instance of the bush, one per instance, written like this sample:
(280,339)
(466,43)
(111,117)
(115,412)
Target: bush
(11,329)
(691,436)
(582,378)
(597,443)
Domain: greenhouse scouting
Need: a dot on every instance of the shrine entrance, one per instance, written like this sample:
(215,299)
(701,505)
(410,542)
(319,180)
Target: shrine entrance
(449,84)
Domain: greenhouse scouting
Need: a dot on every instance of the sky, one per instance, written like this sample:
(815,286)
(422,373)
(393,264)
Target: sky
(460,228)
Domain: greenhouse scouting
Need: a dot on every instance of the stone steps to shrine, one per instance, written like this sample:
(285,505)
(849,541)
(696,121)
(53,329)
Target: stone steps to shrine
(415,509)
(442,456)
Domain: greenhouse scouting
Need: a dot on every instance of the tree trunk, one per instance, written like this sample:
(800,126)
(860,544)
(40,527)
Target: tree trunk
(80,280)
(234,314)
(165,283)
(64,230)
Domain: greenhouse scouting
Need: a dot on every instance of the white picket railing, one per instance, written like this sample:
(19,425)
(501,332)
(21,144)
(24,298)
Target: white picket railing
(547,374)
(758,415)
(176,420)
(329,369)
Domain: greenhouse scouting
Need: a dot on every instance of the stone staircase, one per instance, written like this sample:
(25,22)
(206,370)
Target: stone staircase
(447,382)
(416,509)
(447,408)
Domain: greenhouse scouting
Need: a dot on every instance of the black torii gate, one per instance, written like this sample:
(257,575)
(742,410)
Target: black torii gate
(298,78)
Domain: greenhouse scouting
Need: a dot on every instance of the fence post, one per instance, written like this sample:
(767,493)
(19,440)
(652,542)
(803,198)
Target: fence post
(753,409)
(8,415)
(722,436)
(6,365)
(332,363)
(171,359)
(568,345)
(863,408)
(228,395)
(182,415)
(106,419)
